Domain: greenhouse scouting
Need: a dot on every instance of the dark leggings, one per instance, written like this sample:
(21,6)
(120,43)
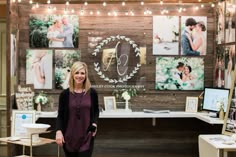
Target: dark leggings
(87,153)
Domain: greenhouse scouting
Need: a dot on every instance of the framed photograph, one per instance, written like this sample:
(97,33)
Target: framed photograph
(198,35)
(191,104)
(39,68)
(110,103)
(179,73)
(165,35)
(19,118)
(64,60)
(53,31)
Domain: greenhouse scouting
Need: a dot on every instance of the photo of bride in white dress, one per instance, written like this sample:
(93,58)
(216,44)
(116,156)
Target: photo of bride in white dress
(230,67)
(53,31)
(39,68)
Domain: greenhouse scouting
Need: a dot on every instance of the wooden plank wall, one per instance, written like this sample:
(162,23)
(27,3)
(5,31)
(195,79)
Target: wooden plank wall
(138,28)
(134,137)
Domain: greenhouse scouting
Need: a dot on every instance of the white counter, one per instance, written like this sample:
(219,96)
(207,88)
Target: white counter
(175,114)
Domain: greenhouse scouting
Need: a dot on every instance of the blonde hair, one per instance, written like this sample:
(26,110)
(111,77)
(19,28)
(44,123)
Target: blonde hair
(74,68)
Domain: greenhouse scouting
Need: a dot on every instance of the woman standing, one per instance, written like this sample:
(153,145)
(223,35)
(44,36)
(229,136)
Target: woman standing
(78,114)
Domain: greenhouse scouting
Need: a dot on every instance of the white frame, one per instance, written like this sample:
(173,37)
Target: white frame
(17,120)
(191,104)
(109,103)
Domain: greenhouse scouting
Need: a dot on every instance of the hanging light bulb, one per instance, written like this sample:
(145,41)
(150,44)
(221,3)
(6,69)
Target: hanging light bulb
(91,12)
(142,3)
(123,3)
(19,1)
(49,9)
(86,3)
(67,3)
(212,5)
(98,12)
(199,0)
(202,5)
(72,11)
(196,8)
(115,13)
(54,8)
(126,13)
(161,2)
(30,2)
(82,12)
(65,11)
(37,5)
(48,1)
(109,14)
(104,4)
(13,1)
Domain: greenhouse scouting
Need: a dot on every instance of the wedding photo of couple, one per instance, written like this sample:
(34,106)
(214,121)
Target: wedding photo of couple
(174,73)
(39,68)
(193,37)
(54,31)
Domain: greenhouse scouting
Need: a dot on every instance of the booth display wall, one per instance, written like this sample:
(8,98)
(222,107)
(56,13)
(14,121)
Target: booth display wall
(170,137)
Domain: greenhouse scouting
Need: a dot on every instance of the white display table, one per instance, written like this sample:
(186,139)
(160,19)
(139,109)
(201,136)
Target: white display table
(175,114)
(215,145)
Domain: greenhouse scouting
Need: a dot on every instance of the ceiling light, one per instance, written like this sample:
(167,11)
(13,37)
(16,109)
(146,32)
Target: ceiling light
(123,3)
(142,3)
(85,3)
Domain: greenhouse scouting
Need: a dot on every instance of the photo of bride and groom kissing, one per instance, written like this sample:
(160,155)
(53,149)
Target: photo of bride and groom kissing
(193,38)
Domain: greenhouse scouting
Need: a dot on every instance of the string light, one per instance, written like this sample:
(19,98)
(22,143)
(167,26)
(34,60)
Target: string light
(30,2)
(161,2)
(123,3)
(212,5)
(142,3)
(85,3)
(48,2)
(104,4)
(67,3)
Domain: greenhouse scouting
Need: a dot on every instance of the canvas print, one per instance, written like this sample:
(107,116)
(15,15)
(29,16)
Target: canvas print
(230,22)
(63,61)
(39,68)
(229,65)
(175,73)
(219,78)
(193,35)
(13,54)
(220,22)
(165,35)
(53,31)
(231,120)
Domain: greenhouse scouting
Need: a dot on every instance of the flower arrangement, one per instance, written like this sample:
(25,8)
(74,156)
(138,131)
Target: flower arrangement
(220,105)
(41,98)
(124,94)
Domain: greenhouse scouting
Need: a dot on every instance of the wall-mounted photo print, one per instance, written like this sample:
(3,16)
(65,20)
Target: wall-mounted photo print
(63,62)
(39,68)
(220,22)
(230,22)
(53,31)
(165,35)
(175,73)
(193,35)
(219,78)
(229,65)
